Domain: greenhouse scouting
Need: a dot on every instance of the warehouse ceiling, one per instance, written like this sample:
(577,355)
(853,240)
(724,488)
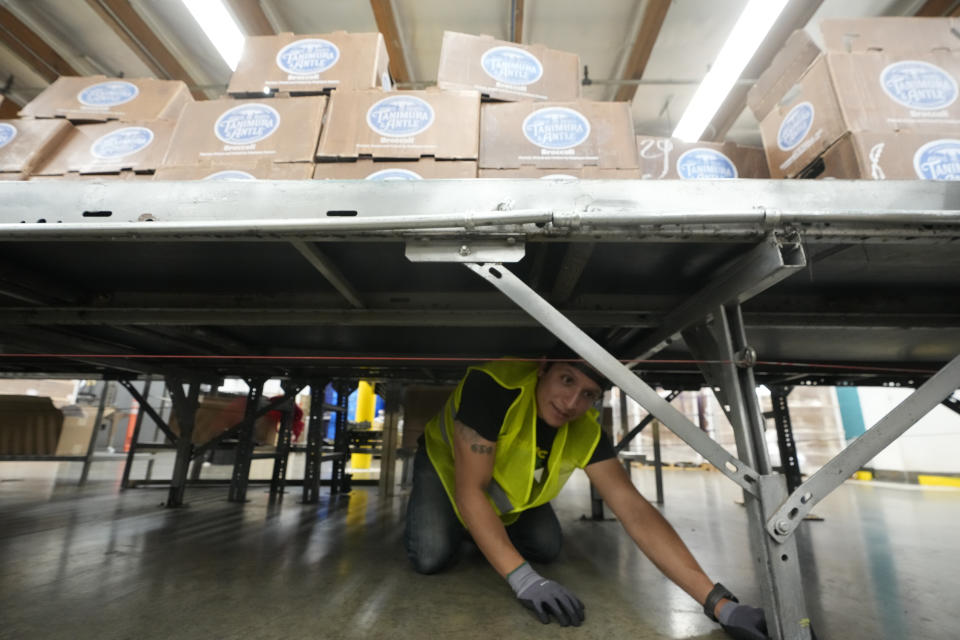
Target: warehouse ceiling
(661,48)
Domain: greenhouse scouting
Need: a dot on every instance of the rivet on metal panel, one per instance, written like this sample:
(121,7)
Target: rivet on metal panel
(464,250)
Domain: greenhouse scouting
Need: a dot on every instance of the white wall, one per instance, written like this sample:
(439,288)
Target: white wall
(931,445)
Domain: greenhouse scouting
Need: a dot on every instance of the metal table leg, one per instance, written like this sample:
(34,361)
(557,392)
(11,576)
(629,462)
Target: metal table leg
(125,481)
(311,472)
(88,460)
(241,462)
(278,482)
(186,407)
(388,453)
(785,442)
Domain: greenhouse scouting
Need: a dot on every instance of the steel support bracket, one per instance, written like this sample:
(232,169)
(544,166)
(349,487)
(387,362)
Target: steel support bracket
(781,524)
(555,322)
(509,249)
(759,269)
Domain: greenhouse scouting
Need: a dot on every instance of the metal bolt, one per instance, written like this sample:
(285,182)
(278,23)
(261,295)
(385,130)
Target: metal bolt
(782,527)
(465,250)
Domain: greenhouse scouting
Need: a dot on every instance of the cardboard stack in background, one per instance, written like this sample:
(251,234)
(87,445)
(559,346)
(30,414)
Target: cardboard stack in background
(122,126)
(270,126)
(311,64)
(29,425)
(880,102)
(427,134)
(26,144)
(273,138)
(671,159)
(111,149)
(436,133)
(502,70)
(568,136)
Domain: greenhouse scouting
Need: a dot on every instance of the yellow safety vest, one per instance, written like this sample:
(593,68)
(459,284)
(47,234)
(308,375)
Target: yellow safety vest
(512,488)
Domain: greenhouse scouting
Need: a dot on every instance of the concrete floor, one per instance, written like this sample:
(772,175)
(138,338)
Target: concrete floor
(98,563)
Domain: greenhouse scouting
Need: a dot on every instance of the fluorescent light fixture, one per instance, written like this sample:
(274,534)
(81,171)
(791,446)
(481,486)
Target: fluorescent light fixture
(220,28)
(751,28)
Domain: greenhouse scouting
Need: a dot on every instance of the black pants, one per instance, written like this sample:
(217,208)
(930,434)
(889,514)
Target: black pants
(433,532)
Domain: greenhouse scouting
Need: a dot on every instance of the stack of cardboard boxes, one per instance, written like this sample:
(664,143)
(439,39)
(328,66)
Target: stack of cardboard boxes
(121,127)
(670,159)
(270,127)
(880,102)
(533,123)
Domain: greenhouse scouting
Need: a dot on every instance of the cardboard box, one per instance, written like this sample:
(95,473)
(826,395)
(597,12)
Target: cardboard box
(29,425)
(310,63)
(98,99)
(218,413)
(78,425)
(422,169)
(583,173)
(670,159)
(889,156)
(402,124)
(111,147)
(557,135)
(277,130)
(876,74)
(25,144)
(503,70)
(238,170)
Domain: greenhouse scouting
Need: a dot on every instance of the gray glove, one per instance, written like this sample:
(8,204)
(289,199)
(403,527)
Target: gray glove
(545,597)
(743,622)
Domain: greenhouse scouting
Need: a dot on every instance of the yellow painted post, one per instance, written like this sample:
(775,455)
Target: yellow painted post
(366,404)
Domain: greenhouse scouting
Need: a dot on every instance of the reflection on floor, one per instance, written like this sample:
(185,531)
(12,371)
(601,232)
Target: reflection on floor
(99,563)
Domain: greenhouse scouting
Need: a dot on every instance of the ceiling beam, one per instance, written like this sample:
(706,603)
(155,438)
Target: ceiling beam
(938,8)
(516,21)
(653,16)
(387,25)
(249,14)
(120,16)
(795,16)
(31,48)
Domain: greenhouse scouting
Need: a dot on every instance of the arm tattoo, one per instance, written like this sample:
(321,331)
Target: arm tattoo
(476,441)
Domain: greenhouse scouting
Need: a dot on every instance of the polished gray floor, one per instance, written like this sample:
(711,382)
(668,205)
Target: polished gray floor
(100,563)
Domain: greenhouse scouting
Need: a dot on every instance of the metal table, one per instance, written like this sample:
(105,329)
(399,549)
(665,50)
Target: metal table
(668,284)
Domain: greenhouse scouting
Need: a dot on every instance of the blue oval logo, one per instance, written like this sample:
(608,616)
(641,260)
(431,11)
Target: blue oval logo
(511,65)
(392,175)
(247,123)
(705,164)
(795,126)
(309,56)
(400,116)
(108,94)
(556,128)
(938,160)
(7,133)
(919,85)
(121,143)
(230,174)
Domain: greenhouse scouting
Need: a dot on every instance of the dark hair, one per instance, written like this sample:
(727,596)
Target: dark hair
(562,353)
